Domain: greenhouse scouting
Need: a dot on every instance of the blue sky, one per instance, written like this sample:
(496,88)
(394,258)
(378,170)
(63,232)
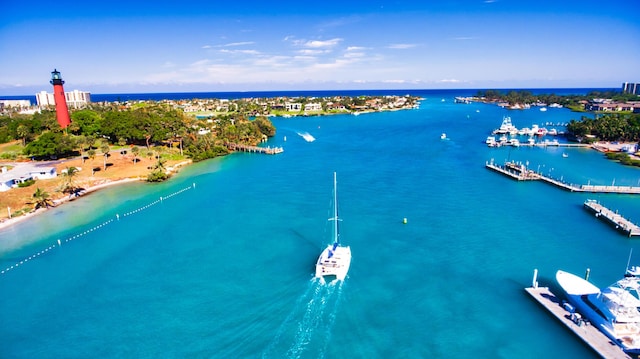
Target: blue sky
(170,46)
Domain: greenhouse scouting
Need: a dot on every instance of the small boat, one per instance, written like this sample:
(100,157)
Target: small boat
(565,155)
(443,136)
(307,136)
(334,261)
(612,310)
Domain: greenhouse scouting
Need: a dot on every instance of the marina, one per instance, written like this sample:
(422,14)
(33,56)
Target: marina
(588,333)
(521,172)
(613,218)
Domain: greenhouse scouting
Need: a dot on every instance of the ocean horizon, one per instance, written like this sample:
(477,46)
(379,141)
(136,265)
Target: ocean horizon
(232,95)
(218,261)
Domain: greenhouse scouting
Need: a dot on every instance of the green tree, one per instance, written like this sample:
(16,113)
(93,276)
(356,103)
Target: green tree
(105,153)
(135,150)
(69,186)
(41,199)
(86,122)
(23,131)
(50,144)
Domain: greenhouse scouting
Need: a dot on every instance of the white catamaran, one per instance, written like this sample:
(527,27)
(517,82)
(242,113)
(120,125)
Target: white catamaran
(335,260)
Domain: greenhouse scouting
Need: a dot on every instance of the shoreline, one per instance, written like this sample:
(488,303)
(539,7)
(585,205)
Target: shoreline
(8,222)
(15,220)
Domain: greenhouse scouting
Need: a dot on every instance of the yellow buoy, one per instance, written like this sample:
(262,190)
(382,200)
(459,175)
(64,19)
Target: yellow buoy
(404,220)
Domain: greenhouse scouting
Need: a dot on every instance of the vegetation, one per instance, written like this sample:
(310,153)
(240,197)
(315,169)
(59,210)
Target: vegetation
(607,127)
(623,158)
(26,183)
(153,125)
(68,185)
(572,101)
(41,199)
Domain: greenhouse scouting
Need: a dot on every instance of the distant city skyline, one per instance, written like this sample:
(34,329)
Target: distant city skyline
(135,46)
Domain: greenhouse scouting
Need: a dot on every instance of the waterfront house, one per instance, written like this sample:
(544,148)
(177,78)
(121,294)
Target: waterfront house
(24,172)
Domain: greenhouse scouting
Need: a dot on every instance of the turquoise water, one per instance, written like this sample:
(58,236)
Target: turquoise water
(223,268)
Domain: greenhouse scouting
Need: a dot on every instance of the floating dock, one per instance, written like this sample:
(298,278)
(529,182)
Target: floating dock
(521,173)
(613,218)
(599,342)
(255,149)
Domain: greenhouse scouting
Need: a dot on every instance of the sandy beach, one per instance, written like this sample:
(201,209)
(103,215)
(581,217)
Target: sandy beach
(120,171)
(17,219)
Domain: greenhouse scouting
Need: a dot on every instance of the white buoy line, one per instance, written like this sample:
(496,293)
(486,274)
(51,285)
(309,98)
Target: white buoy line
(99,226)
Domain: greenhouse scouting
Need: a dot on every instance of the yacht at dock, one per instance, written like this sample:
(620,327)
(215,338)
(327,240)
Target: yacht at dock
(613,310)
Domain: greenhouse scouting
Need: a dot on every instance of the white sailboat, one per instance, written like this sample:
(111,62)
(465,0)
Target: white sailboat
(335,260)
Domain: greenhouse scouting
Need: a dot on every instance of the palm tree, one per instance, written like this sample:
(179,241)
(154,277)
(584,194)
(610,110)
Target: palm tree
(41,199)
(135,150)
(23,131)
(105,152)
(69,185)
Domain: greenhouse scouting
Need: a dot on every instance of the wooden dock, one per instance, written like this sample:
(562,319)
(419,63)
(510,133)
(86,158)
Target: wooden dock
(521,173)
(613,218)
(254,149)
(593,337)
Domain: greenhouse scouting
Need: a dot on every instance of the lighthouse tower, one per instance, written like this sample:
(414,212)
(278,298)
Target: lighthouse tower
(62,112)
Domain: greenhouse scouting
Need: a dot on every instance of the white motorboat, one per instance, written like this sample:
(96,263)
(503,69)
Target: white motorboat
(613,310)
(443,136)
(506,127)
(335,260)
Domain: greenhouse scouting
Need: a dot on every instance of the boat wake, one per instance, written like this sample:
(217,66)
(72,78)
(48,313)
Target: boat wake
(308,327)
(307,136)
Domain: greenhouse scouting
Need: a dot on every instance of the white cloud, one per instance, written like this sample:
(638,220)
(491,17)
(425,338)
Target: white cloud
(239,43)
(305,58)
(353,54)
(244,52)
(206,47)
(272,61)
(454,81)
(311,52)
(401,46)
(320,43)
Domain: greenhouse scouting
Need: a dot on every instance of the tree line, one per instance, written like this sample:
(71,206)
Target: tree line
(606,127)
(145,124)
(513,97)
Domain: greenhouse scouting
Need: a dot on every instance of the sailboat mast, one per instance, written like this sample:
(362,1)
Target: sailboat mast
(335,209)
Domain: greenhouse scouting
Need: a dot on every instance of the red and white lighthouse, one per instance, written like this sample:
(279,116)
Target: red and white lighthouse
(62,111)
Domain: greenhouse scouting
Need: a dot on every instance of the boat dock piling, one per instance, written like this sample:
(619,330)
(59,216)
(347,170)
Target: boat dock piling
(521,173)
(255,149)
(613,218)
(599,342)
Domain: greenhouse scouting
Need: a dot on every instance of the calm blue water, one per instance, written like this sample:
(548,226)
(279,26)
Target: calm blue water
(224,269)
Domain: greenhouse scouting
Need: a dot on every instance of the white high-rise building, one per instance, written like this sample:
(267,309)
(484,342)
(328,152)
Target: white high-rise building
(632,88)
(74,98)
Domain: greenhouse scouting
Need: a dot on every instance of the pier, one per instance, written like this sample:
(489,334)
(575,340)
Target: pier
(521,173)
(254,149)
(599,342)
(613,218)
